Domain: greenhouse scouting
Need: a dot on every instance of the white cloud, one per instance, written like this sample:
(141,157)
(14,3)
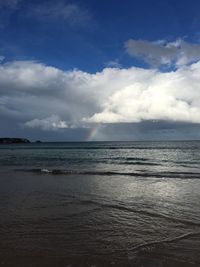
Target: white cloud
(113,64)
(44,97)
(158,53)
(72,13)
(173,96)
(51,123)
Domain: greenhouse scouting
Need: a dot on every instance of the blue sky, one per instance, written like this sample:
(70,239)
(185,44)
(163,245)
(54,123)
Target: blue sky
(98,36)
(68,67)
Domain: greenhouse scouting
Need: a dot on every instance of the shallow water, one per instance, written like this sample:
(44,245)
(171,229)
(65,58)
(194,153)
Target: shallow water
(100,204)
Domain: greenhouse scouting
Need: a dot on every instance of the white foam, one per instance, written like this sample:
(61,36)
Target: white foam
(45,170)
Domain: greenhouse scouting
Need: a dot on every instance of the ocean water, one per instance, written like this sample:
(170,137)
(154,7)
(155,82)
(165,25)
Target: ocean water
(100,204)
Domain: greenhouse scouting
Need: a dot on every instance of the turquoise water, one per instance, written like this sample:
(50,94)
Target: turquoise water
(100,204)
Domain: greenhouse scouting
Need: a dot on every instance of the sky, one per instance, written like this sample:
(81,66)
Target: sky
(102,70)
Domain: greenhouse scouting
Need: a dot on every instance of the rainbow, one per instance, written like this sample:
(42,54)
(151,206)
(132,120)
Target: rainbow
(90,136)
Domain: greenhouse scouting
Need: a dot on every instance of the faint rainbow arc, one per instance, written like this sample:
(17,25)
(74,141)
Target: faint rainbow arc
(90,136)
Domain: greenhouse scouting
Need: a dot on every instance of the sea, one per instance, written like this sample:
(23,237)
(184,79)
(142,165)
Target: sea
(100,204)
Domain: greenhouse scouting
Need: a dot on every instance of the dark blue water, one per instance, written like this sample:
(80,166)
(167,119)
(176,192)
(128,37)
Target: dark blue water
(100,204)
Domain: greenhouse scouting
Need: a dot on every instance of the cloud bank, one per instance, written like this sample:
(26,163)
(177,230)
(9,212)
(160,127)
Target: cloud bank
(51,123)
(177,53)
(43,97)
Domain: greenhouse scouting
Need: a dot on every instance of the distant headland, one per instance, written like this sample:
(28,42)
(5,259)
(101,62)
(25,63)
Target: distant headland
(7,140)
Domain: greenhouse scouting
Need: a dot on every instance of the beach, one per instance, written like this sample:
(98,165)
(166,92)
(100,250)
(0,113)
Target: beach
(100,204)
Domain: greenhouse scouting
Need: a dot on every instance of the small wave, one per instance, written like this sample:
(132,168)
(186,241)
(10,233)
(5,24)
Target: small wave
(140,163)
(56,171)
(45,170)
(134,158)
(182,175)
(150,214)
(163,241)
